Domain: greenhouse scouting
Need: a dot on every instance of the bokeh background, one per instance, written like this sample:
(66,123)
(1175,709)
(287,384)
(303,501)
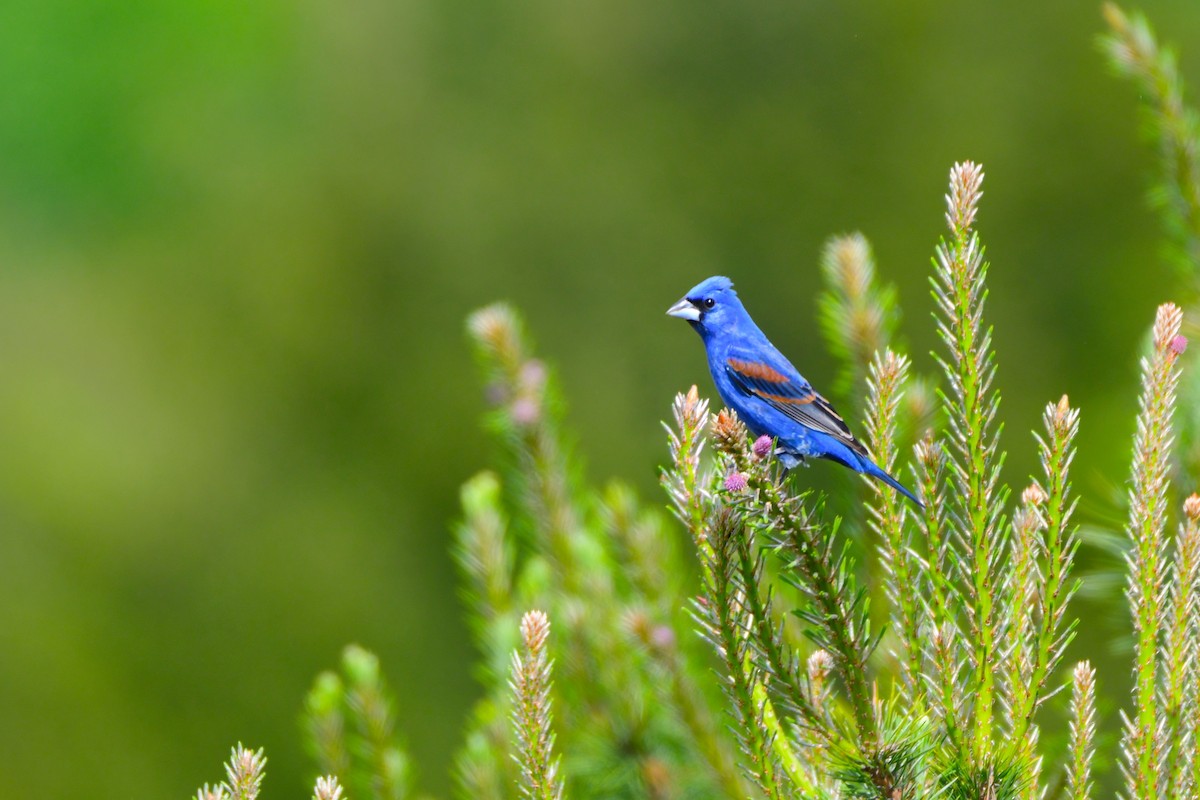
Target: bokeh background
(238,240)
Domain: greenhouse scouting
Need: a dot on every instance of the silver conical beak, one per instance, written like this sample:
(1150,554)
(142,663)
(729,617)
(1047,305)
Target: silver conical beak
(685,310)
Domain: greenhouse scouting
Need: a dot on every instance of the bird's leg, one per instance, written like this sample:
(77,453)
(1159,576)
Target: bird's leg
(790,459)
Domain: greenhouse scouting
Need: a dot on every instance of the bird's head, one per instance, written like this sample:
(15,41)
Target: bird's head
(710,306)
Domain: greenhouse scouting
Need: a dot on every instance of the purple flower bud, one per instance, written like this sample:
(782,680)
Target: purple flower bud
(1179,344)
(495,393)
(524,411)
(533,374)
(762,446)
(663,637)
(735,482)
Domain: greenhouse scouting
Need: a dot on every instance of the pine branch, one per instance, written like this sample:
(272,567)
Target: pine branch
(484,769)
(243,777)
(1180,651)
(813,564)
(1053,507)
(689,701)
(724,620)
(686,485)
(325,724)
(1135,53)
(328,788)
(944,646)
(244,773)
(531,718)
(780,667)
(858,315)
(528,417)
(889,517)
(978,499)
(1021,590)
(1083,732)
(483,553)
(1188,767)
(1142,741)
(380,768)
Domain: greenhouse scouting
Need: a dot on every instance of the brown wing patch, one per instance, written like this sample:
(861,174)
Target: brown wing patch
(791,401)
(757,371)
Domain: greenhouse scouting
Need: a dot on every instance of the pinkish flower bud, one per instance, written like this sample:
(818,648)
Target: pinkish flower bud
(1179,344)
(663,637)
(762,446)
(1034,495)
(1191,507)
(533,374)
(495,393)
(524,411)
(735,482)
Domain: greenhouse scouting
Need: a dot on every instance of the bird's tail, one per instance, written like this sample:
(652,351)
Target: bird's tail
(869,467)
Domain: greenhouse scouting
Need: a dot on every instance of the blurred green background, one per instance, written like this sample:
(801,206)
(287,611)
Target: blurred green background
(238,240)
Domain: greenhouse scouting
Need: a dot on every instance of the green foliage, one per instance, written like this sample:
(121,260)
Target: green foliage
(945,701)
(1173,126)
(858,315)
(349,724)
(976,594)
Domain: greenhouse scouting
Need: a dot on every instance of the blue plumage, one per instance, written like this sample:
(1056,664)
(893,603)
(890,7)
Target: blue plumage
(769,395)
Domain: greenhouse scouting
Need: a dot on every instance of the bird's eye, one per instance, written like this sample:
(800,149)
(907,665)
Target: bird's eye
(709,302)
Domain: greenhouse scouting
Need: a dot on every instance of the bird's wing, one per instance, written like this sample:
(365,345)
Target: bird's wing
(782,388)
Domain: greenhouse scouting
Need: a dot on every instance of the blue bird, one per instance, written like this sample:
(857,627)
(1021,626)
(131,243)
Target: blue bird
(769,395)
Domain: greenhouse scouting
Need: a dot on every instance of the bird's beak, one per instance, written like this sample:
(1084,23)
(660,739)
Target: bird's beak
(684,310)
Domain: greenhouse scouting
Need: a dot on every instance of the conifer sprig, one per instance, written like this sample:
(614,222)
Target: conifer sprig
(1134,52)
(484,550)
(888,515)
(325,724)
(977,497)
(815,563)
(350,725)
(328,788)
(1028,524)
(1181,651)
(686,484)
(529,419)
(244,773)
(944,649)
(724,620)
(1082,730)
(1187,769)
(858,314)
(531,718)
(243,777)
(1041,636)
(1142,741)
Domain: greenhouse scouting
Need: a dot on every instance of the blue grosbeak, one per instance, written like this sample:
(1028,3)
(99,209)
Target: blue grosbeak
(769,395)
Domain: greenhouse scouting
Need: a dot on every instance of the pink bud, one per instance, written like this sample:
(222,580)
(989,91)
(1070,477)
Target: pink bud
(735,482)
(762,446)
(495,393)
(525,411)
(663,637)
(533,374)
(1178,344)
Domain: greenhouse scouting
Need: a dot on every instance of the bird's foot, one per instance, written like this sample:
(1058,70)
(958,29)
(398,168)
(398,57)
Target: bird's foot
(790,458)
